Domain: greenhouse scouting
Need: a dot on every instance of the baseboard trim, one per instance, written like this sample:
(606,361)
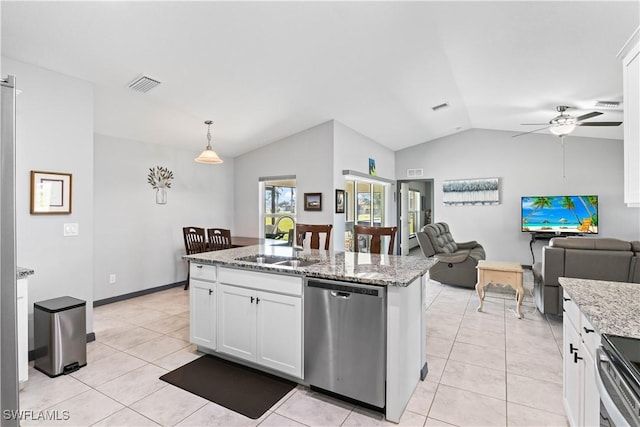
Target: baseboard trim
(135,294)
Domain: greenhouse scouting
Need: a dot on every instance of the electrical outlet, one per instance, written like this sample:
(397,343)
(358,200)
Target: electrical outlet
(112,278)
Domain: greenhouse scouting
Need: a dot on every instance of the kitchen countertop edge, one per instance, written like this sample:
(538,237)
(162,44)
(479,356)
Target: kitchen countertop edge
(22,272)
(611,307)
(381,270)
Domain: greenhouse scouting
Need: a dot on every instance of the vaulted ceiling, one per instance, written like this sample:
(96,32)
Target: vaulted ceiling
(265,70)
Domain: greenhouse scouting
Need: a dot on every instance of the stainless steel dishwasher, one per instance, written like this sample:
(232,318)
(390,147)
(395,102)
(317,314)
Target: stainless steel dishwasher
(345,339)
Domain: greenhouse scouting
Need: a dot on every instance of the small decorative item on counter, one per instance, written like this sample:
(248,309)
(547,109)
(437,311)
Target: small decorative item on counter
(160,178)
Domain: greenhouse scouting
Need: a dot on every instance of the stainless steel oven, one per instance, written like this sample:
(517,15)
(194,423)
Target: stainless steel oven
(618,380)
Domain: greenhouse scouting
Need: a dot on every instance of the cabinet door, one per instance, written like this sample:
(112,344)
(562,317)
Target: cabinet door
(22,318)
(237,321)
(279,323)
(573,373)
(591,402)
(202,324)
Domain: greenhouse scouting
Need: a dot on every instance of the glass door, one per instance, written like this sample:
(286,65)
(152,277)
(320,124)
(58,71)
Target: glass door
(279,208)
(365,204)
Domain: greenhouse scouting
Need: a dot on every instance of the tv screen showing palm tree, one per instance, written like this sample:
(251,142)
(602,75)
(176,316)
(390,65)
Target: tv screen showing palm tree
(560,214)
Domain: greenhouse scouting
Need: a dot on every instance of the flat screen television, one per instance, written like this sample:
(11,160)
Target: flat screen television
(559,214)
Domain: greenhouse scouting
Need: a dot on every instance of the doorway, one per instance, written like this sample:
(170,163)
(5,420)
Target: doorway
(415,210)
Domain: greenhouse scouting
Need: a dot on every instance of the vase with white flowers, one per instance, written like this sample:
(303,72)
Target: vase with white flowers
(160,179)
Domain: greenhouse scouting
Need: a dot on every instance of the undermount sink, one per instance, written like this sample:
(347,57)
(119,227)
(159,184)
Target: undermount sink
(295,263)
(264,259)
(282,261)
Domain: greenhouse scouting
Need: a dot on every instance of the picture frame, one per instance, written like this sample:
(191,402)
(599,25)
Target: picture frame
(340,201)
(466,192)
(312,201)
(50,193)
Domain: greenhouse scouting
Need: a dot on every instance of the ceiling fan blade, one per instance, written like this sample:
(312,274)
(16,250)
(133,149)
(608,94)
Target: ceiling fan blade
(599,124)
(524,133)
(588,115)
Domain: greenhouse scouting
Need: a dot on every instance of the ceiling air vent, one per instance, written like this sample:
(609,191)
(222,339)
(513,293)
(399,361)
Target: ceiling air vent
(608,105)
(144,84)
(414,173)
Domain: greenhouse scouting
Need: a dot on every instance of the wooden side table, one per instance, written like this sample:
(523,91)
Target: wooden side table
(500,273)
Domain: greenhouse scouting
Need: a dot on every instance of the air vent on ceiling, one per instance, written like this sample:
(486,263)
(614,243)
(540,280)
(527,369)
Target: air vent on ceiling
(608,105)
(440,106)
(144,84)
(414,173)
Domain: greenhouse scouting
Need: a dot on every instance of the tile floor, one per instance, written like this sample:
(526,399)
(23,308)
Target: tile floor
(486,368)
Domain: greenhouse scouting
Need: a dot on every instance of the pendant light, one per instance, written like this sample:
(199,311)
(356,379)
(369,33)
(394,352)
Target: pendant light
(208,155)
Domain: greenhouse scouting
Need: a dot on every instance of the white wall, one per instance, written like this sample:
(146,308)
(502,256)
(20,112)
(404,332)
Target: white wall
(308,155)
(135,238)
(54,132)
(352,151)
(528,165)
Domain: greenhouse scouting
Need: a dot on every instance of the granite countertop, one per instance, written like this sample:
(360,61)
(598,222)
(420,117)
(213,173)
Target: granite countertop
(373,269)
(22,272)
(611,307)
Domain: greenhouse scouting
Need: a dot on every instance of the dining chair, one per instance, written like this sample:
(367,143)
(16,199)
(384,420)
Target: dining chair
(376,233)
(219,238)
(316,230)
(195,241)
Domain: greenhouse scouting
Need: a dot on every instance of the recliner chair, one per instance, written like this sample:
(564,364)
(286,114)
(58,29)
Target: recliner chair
(457,261)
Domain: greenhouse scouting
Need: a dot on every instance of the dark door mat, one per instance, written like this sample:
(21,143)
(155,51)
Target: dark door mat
(244,390)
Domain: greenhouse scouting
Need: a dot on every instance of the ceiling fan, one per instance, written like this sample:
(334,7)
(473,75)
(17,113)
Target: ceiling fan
(563,124)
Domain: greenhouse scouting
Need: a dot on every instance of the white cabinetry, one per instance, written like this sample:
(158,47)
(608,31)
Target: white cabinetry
(22,318)
(203,307)
(580,394)
(260,318)
(631,81)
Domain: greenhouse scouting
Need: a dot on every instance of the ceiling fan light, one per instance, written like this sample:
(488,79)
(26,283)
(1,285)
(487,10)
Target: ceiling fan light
(562,125)
(562,129)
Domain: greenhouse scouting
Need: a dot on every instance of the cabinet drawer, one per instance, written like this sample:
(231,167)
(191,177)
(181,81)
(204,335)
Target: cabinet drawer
(203,272)
(571,311)
(590,336)
(262,281)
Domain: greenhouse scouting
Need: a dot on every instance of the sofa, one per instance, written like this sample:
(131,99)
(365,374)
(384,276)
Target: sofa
(582,258)
(457,261)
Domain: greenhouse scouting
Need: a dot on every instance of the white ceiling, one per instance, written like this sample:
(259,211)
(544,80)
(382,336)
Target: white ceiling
(265,70)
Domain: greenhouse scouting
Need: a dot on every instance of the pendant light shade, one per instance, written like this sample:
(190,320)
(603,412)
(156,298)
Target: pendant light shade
(208,155)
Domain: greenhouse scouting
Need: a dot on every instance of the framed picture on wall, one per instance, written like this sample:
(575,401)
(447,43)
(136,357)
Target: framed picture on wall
(339,201)
(50,193)
(312,201)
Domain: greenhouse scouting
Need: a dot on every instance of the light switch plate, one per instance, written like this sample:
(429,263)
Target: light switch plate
(71,229)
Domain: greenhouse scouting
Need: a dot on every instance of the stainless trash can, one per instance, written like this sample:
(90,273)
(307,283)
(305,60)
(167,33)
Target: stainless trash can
(60,335)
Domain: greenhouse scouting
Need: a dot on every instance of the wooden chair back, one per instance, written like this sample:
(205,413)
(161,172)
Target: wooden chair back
(219,238)
(376,233)
(315,230)
(194,240)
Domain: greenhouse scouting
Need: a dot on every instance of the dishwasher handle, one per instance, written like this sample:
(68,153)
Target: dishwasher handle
(343,295)
(342,289)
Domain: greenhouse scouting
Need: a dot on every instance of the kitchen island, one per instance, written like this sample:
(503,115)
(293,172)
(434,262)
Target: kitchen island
(270,333)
